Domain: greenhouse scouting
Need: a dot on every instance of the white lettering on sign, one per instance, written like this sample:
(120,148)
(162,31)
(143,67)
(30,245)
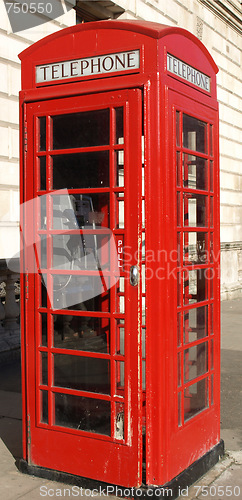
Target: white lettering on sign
(188,73)
(105,64)
(120,253)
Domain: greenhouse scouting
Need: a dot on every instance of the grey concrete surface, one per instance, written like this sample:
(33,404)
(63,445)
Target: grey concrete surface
(224,480)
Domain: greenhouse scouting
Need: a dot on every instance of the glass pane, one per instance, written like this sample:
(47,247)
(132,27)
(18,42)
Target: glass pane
(82,373)
(81,293)
(92,415)
(44,368)
(77,130)
(81,252)
(211,355)
(179,369)
(179,326)
(212,389)
(211,320)
(178,249)
(42,133)
(76,211)
(120,168)
(178,209)
(143,374)
(44,406)
(211,211)
(43,246)
(43,291)
(43,323)
(81,333)
(195,324)
(42,170)
(119,126)
(195,175)
(177,128)
(178,289)
(143,310)
(119,413)
(120,213)
(178,168)
(194,134)
(195,210)
(211,139)
(120,338)
(195,248)
(195,361)
(195,286)
(81,170)
(120,378)
(195,398)
(211,175)
(43,216)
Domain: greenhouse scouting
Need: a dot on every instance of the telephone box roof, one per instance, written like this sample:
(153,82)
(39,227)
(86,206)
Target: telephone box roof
(146,28)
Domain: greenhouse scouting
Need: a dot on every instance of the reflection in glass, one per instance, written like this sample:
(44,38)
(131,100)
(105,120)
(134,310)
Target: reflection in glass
(195,248)
(81,251)
(195,324)
(77,130)
(195,361)
(81,170)
(195,398)
(194,134)
(82,333)
(42,133)
(195,286)
(195,175)
(87,414)
(79,211)
(195,210)
(81,293)
(82,373)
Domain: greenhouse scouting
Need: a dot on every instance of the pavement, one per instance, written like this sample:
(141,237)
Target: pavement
(224,480)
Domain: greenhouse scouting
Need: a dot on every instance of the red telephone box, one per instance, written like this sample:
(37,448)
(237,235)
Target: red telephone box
(120,216)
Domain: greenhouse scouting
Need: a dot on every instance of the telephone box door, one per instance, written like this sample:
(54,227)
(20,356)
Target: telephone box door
(82,232)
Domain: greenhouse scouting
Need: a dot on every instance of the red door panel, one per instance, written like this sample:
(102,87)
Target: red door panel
(82,314)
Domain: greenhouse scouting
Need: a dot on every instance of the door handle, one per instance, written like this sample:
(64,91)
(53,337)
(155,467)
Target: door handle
(134,276)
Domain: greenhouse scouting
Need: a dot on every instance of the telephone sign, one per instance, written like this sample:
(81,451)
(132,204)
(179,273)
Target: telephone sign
(120,341)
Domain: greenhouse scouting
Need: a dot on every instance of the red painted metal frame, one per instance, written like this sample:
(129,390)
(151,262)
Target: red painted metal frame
(162,94)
